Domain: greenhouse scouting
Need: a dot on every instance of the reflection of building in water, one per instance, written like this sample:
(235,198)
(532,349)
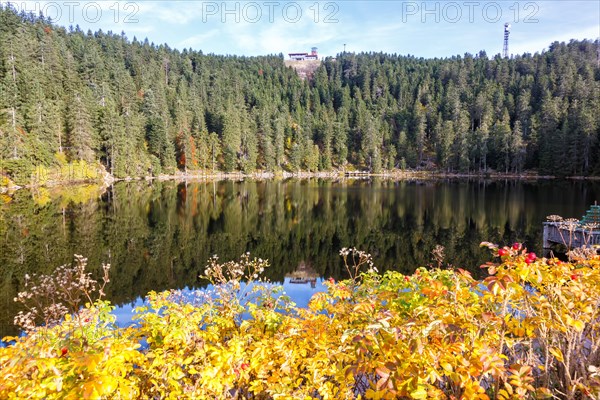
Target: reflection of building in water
(303,274)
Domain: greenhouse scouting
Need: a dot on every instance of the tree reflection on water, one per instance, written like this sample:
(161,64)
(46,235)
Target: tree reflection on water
(159,235)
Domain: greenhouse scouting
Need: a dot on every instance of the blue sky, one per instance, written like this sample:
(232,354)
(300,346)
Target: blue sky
(421,28)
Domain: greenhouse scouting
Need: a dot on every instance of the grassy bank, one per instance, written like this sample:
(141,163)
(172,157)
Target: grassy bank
(76,173)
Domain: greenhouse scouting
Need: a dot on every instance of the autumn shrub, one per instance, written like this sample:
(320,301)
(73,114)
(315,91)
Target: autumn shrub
(5,181)
(72,348)
(48,299)
(24,172)
(550,308)
(529,330)
(19,170)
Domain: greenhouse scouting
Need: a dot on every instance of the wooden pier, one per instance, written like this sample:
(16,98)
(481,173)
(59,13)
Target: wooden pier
(353,174)
(573,233)
(571,237)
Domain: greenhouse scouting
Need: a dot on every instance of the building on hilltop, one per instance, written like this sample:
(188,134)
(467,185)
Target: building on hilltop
(305,56)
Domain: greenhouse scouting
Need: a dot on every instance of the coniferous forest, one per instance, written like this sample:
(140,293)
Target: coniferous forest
(143,109)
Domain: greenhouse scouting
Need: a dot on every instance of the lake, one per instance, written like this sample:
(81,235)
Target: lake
(159,235)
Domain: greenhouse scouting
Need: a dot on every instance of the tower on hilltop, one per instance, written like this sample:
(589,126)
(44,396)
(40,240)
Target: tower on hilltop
(506,34)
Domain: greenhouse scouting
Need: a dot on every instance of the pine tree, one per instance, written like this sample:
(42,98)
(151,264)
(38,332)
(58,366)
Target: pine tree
(517,148)
(141,109)
(81,138)
(231,138)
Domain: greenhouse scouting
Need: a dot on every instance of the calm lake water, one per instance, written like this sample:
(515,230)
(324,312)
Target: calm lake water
(159,235)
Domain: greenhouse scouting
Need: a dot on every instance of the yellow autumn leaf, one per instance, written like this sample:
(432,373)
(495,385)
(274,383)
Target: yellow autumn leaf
(577,324)
(420,393)
(89,391)
(523,272)
(106,385)
(557,354)
(375,395)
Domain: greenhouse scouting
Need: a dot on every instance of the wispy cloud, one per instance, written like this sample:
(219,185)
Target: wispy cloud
(175,13)
(199,40)
(526,45)
(423,28)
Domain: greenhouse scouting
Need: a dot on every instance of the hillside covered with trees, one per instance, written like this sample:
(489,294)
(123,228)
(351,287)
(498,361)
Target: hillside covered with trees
(144,109)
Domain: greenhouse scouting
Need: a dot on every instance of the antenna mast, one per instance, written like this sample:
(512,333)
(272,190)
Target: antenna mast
(506,33)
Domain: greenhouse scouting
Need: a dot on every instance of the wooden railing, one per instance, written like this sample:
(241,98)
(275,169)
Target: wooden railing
(571,237)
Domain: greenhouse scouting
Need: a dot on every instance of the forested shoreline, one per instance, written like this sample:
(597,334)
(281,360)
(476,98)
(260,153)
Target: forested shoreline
(140,109)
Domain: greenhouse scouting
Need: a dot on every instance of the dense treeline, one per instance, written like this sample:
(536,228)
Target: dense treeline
(142,109)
